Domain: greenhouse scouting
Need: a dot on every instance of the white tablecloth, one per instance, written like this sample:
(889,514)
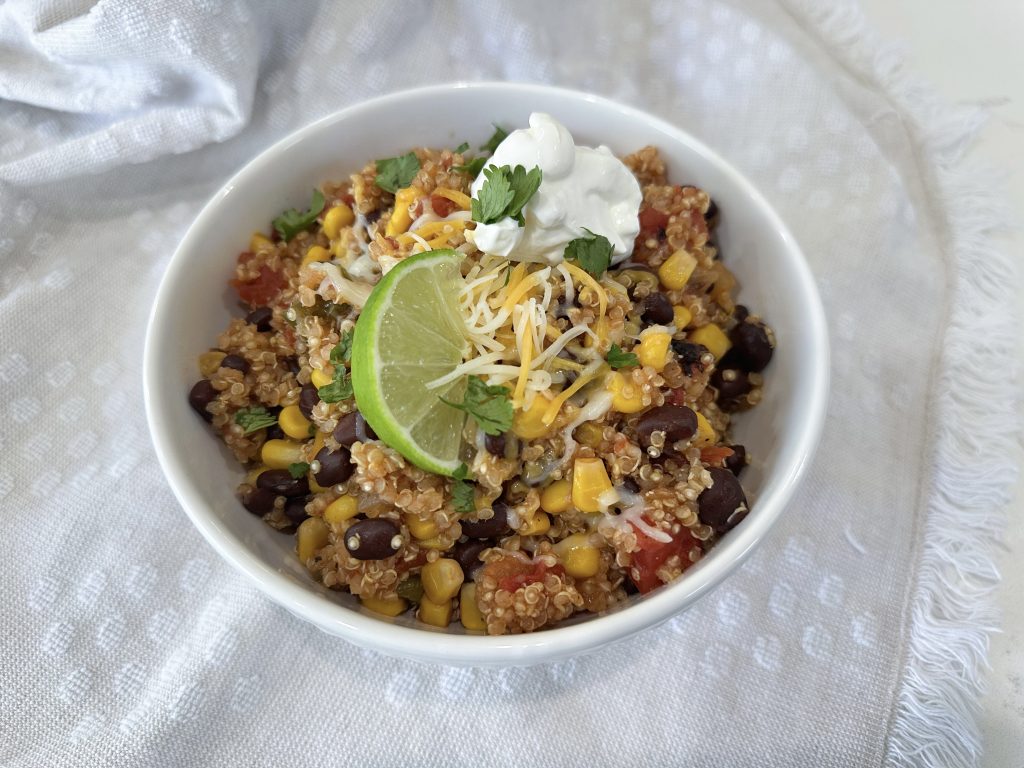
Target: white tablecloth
(854,636)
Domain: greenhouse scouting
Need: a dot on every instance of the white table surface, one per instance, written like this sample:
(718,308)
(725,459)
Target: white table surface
(985,66)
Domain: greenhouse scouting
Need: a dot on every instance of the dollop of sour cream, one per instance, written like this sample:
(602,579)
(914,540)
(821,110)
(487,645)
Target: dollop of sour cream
(583,188)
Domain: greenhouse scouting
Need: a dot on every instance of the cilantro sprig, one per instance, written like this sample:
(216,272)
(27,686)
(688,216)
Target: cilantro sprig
(472,168)
(499,135)
(461,148)
(393,173)
(255,418)
(463,491)
(592,252)
(291,222)
(340,387)
(618,359)
(505,192)
(490,406)
(298,469)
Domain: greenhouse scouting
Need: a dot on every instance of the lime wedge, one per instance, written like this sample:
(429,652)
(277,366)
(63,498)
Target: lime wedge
(410,332)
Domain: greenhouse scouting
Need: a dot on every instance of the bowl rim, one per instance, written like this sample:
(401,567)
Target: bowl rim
(438,645)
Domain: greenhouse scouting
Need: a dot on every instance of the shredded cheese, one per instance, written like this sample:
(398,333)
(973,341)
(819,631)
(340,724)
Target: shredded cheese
(526,356)
(459,198)
(584,378)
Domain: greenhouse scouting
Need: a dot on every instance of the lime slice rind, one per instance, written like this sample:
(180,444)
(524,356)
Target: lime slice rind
(409,333)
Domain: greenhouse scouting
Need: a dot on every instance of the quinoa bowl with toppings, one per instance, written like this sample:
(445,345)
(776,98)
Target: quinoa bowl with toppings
(487,400)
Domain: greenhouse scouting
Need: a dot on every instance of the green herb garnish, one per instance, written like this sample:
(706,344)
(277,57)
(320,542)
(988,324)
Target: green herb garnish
(340,387)
(505,192)
(291,222)
(618,359)
(393,173)
(499,135)
(593,253)
(254,418)
(490,406)
(461,148)
(462,491)
(298,469)
(342,352)
(472,168)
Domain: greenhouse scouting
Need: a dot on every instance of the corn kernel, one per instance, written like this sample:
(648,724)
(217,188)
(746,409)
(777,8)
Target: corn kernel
(316,253)
(341,509)
(400,218)
(539,524)
(442,579)
(435,614)
(293,423)
(321,378)
(259,242)
(681,317)
(705,432)
(589,434)
(469,611)
(419,528)
(712,337)
(676,270)
(310,538)
(337,217)
(529,424)
(589,481)
(626,395)
(280,454)
(209,362)
(580,558)
(653,349)
(556,498)
(386,606)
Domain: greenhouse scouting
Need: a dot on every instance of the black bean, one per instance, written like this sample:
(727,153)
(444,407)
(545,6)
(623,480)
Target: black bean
(260,317)
(495,444)
(281,482)
(629,586)
(274,432)
(677,422)
(259,501)
(731,383)
(711,212)
(656,309)
(295,510)
(352,427)
(491,527)
(722,505)
(737,461)
(741,313)
(200,396)
(689,355)
(373,539)
(292,364)
(467,554)
(236,362)
(631,485)
(308,398)
(335,466)
(751,346)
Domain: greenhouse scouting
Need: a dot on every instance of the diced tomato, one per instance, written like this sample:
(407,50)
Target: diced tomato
(652,222)
(405,565)
(442,205)
(512,573)
(715,455)
(260,291)
(348,199)
(676,396)
(653,554)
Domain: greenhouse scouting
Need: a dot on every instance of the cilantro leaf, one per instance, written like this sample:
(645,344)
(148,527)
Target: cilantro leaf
(393,173)
(462,492)
(494,196)
(254,418)
(342,352)
(619,359)
(593,253)
(298,469)
(499,135)
(291,222)
(339,389)
(472,168)
(504,193)
(490,406)
(524,186)
(461,148)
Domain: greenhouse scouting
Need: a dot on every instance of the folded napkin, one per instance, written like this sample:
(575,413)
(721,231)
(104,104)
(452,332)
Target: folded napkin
(853,636)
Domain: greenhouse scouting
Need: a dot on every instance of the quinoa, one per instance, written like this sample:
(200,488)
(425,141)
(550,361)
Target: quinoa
(274,389)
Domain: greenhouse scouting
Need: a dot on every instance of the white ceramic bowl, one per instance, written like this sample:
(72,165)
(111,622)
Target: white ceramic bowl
(194,304)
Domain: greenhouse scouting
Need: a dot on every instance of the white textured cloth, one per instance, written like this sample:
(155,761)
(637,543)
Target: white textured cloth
(853,636)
